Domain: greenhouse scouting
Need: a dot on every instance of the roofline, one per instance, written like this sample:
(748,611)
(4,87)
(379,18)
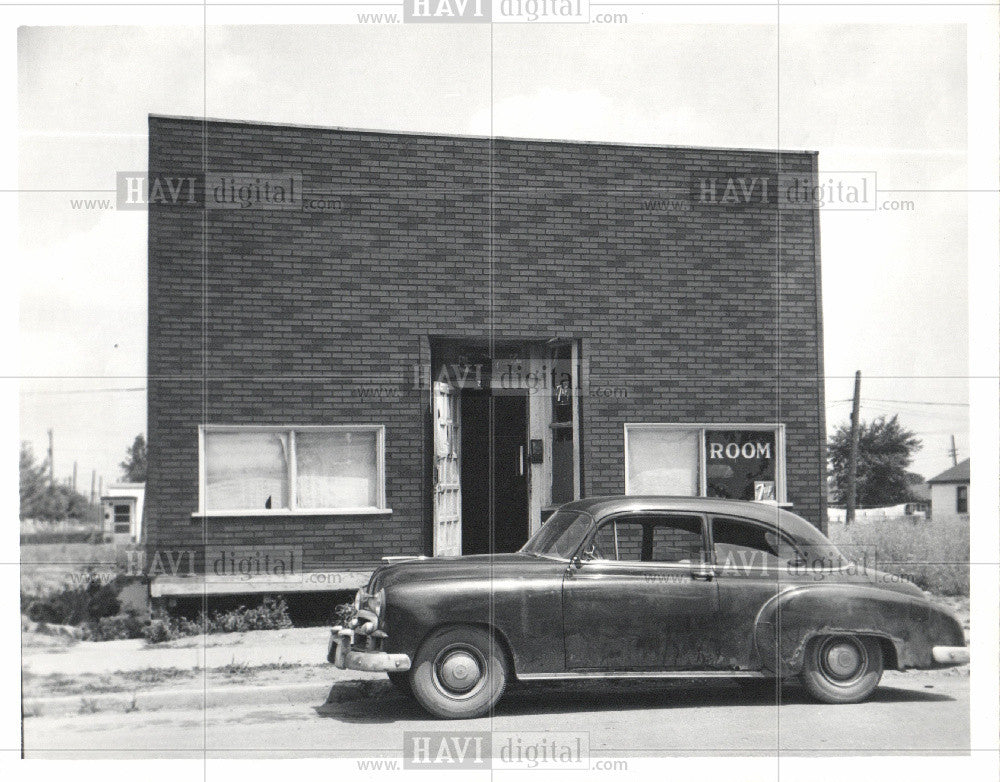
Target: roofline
(474,136)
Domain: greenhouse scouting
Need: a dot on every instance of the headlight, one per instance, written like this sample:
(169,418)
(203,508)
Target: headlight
(369,607)
(377,603)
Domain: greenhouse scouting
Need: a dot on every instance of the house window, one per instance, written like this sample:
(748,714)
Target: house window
(962,499)
(123,519)
(733,461)
(310,469)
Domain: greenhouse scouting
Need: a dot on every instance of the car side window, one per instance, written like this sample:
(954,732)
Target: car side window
(740,544)
(675,539)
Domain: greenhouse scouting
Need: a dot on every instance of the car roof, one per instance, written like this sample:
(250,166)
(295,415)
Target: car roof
(765,513)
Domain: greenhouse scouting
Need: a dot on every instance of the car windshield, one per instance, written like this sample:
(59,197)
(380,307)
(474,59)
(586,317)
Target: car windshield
(560,536)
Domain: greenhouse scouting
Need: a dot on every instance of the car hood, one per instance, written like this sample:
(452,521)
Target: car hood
(446,568)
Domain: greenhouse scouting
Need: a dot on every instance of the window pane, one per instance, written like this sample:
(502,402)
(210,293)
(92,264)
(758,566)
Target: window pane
(678,540)
(740,465)
(621,540)
(336,469)
(123,518)
(740,545)
(663,461)
(246,470)
(673,539)
(562,465)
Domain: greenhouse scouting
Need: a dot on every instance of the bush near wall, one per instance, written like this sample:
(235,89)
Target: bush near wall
(932,554)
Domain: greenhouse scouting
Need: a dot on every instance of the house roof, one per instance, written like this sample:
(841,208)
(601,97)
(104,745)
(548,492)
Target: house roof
(957,474)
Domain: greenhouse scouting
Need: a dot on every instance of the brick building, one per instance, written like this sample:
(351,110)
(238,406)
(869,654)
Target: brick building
(368,344)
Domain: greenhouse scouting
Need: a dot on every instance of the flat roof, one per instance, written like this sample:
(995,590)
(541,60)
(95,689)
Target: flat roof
(466,136)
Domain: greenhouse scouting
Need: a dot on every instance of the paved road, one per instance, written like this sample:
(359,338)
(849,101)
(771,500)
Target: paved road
(911,713)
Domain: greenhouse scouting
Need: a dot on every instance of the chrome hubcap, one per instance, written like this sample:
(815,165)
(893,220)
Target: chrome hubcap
(459,670)
(842,659)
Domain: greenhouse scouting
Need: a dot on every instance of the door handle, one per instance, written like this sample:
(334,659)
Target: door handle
(702,575)
(520,460)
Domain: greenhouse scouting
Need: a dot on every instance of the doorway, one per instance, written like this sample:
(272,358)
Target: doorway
(499,522)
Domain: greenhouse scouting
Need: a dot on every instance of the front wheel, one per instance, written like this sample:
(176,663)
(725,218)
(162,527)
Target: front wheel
(842,668)
(460,672)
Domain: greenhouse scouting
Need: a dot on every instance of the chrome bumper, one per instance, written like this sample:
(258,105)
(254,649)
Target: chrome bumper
(950,655)
(342,655)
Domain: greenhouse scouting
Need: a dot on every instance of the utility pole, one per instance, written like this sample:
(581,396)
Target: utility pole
(953,452)
(52,471)
(852,466)
(74,476)
(93,487)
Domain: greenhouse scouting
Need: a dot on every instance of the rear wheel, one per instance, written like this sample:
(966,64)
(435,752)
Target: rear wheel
(460,672)
(842,668)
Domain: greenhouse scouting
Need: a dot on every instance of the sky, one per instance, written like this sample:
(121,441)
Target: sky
(866,97)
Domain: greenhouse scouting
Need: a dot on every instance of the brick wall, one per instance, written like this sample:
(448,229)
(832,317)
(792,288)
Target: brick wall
(284,317)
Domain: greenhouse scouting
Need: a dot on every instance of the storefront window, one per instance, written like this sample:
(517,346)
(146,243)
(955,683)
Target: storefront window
(662,461)
(740,464)
(274,469)
(246,470)
(739,461)
(336,469)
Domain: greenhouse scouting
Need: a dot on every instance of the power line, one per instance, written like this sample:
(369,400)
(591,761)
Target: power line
(904,402)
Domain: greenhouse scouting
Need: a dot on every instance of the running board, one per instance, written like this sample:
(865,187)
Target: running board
(528,677)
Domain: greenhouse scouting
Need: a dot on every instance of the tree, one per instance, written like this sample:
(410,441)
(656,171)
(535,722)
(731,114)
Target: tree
(134,466)
(47,501)
(34,482)
(885,450)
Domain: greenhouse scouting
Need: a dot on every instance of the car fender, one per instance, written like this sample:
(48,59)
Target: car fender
(909,626)
(527,621)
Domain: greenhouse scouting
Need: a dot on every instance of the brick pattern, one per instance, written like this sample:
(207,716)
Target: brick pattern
(297,317)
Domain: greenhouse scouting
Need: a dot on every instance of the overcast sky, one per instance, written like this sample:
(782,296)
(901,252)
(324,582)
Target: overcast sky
(868,98)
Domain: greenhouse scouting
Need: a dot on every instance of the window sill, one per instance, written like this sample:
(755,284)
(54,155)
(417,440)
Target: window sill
(232,514)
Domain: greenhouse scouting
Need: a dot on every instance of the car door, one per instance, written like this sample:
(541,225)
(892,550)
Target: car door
(642,597)
(753,562)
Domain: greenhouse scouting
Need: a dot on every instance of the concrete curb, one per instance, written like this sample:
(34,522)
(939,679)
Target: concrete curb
(150,700)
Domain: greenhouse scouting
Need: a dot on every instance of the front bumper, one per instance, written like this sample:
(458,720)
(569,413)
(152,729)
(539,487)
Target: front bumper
(950,655)
(342,655)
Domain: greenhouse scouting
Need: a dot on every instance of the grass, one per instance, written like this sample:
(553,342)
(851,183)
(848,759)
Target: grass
(933,554)
(145,679)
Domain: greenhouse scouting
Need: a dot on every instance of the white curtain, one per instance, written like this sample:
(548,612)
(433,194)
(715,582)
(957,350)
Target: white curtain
(246,470)
(663,461)
(336,469)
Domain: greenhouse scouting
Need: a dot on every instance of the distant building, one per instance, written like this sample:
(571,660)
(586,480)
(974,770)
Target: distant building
(123,506)
(920,505)
(950,492)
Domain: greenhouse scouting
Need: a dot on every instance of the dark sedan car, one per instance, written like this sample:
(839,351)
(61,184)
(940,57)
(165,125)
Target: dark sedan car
(636,587)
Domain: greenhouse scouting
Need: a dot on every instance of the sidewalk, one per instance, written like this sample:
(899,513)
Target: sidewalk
(199,672)
(295,646)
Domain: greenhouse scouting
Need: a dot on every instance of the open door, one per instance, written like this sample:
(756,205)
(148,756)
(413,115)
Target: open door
(447,474)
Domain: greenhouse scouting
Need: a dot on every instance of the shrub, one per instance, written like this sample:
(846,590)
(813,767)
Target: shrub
(115,628)
(74,604)
(932,554)
(271,614)
(158,631)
